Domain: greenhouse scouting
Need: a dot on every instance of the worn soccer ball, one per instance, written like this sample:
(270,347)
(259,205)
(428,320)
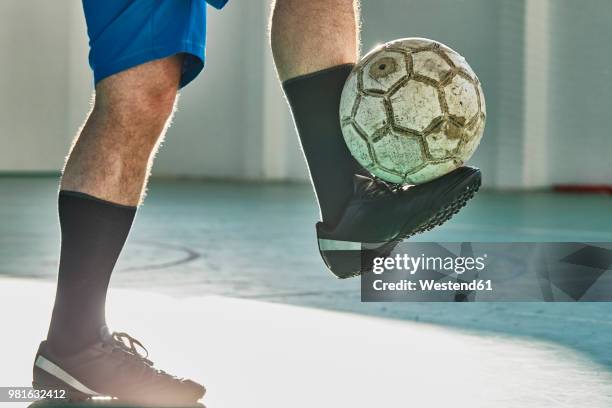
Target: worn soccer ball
(412,110)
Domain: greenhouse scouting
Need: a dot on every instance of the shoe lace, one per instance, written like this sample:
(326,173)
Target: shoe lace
(130,351)
(373,187)
(383,185)
(130,345)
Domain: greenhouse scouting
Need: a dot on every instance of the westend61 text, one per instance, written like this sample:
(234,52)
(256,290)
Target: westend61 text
(432,285)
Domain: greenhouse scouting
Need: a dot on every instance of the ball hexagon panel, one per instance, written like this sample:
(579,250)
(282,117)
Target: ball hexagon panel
(461,99)
(430,65)
(483,103)
(412,43)
(473,140)
(349,97)
(399,152)
(440,146)
(371,115)
(358,146)
(457,60)
(432,171)
(383,71)
(387,175)
(415,105)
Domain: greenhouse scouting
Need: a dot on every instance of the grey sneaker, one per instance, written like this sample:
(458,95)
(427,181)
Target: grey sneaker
(113,367)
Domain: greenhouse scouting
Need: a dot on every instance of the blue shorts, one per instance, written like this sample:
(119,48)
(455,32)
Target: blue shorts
(126,33)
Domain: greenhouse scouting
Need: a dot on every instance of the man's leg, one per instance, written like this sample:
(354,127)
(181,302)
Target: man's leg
(102,185)
(141,52)
(315,44)
(310,36)
(111,157)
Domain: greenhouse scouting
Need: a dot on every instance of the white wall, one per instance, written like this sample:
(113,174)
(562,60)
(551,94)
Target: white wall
(219,130)
(580,92)
(34,84)
(234,123)
(215,111)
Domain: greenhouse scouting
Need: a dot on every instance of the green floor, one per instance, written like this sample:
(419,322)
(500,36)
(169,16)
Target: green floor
(258,241)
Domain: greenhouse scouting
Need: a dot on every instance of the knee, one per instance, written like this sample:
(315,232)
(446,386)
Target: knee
(154,100)
(147,105)
(134,119)
(143,96)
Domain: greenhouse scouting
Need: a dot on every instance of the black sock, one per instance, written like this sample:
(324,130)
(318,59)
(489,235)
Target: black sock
(93,234)
(315,104)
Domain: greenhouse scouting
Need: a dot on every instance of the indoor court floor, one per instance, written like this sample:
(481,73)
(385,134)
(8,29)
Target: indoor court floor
(193,239)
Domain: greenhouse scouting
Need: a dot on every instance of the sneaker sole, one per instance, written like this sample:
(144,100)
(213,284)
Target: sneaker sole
(49,376)
(347,259)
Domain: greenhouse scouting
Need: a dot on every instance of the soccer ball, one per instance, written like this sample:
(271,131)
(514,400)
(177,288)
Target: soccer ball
(412,110)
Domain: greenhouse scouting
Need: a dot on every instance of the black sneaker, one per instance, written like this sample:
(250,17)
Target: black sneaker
(112,367)
(380,215)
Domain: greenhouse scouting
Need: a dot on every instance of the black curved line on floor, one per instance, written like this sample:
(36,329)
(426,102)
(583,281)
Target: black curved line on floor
(190,256)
